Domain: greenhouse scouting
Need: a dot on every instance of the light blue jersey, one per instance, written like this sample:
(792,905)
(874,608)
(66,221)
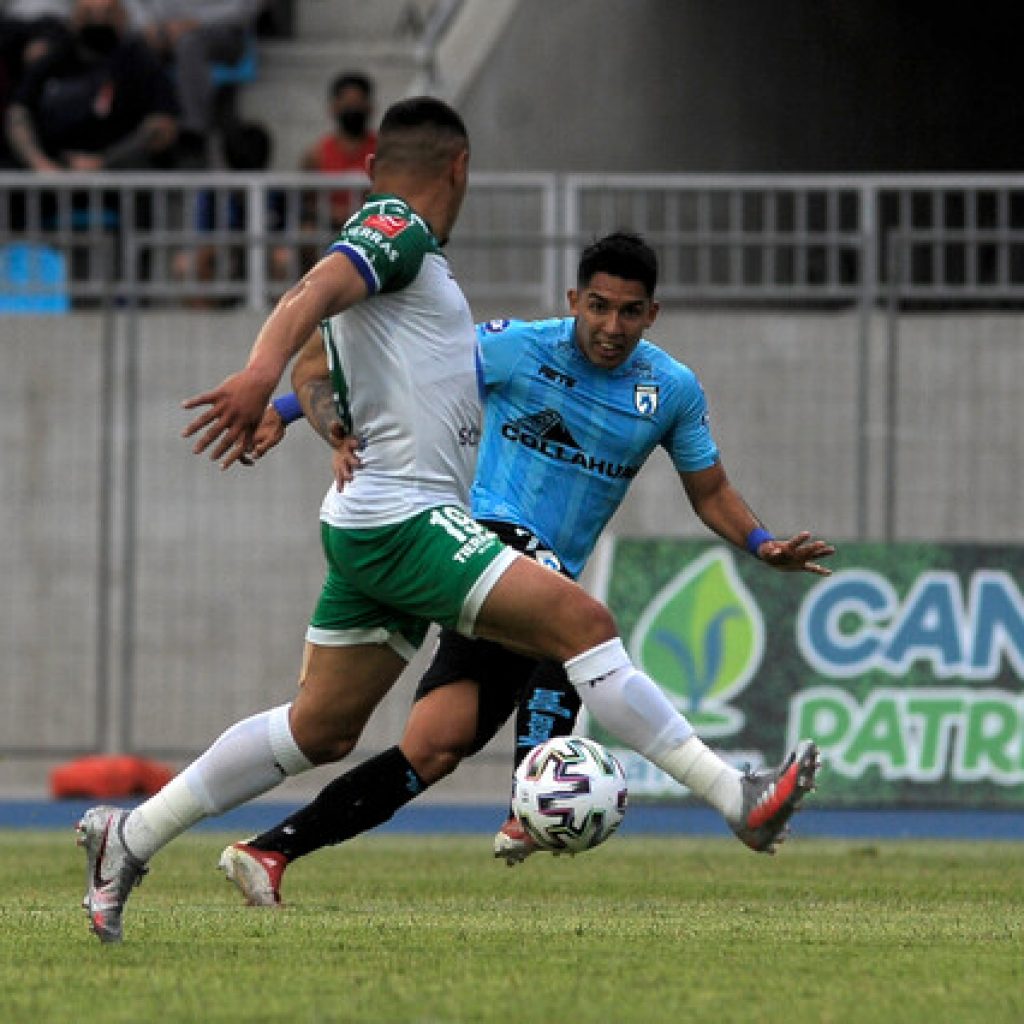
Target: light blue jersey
(563,439)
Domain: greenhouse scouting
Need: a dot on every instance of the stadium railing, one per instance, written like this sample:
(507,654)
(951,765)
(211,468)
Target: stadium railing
(792,240)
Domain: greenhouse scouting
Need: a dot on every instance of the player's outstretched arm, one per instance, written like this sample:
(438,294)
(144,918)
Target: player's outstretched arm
(723,510)
(234,408)
(319,399)
(233,411)
(286,409)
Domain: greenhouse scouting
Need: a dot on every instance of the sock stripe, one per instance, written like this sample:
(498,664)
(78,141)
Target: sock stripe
(287,753)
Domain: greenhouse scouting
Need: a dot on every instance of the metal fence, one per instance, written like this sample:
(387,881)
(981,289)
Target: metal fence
(222,239)
(860,338)
(816,238)
(721,239)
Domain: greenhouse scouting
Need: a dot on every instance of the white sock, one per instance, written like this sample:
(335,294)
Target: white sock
(706,775)
(629,704)
(248,759)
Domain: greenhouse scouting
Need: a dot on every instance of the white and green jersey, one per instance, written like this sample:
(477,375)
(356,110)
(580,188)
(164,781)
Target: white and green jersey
(404,370)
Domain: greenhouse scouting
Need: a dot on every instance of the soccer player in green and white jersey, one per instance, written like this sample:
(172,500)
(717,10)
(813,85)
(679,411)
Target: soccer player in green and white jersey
(401,548)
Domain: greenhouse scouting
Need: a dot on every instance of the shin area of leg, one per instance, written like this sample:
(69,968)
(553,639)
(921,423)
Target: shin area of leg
(625,701)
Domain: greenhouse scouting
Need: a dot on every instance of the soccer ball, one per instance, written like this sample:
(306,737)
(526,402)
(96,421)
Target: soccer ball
(569,794)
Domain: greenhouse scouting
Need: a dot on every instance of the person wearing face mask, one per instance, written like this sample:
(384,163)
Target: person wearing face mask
(348,145)
(99,101)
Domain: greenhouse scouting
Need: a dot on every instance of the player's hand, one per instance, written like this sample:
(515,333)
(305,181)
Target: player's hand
(236,408)
(269,434)
(344,456)
(801,553)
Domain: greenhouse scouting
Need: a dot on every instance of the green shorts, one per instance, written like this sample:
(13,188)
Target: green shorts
(388,583)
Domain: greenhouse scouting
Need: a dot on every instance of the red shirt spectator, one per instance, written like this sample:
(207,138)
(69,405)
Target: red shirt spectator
(352,141)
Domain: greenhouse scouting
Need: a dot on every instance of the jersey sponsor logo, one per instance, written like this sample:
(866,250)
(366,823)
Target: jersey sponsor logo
(548,425)
(388,224)
(368,243)
(645,399)
(556,375)
(546,434)
(496,326)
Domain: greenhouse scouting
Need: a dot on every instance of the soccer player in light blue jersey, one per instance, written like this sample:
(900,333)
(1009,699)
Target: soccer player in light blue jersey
(574,406)
(566,429)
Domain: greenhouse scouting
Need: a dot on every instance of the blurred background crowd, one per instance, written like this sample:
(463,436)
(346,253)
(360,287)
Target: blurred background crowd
(89,85)
(120,86)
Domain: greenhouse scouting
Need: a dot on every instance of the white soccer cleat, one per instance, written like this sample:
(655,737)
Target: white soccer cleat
(111,870)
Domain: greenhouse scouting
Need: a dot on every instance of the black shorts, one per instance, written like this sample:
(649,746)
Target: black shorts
(501,674)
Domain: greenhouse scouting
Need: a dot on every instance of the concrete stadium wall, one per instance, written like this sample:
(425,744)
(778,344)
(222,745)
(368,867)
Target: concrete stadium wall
(226,566)
(800,87)
(674,85)
(783,393)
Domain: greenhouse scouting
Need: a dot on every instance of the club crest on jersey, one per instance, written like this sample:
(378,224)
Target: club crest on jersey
(645,398)
(387,224)
(496,326)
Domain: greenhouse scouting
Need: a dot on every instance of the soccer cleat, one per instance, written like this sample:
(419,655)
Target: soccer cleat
(512,844)
(256,873)
(771,795)
(111,870)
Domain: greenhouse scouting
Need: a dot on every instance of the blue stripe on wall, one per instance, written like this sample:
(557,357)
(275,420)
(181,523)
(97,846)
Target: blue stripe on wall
(642,819)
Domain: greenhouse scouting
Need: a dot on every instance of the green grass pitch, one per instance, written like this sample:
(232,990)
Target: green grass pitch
(431,929)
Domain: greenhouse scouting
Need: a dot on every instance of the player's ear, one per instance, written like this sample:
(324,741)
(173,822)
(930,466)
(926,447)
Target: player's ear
(652,312)
(371,163)
(460,167)
(573,296)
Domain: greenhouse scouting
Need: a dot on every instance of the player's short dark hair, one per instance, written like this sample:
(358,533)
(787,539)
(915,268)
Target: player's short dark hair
(622,254)
(422,111)
(420,132)
(352,78)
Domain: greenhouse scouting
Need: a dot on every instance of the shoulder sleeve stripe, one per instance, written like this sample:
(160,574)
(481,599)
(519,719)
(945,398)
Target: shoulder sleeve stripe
(361,263)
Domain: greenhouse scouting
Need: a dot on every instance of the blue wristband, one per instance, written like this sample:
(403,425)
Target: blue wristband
(756,538)
(288,408)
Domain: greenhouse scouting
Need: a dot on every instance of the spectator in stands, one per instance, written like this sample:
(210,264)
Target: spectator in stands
(191,36)
(97,101)
(247,147)
(347,146)
(29,30)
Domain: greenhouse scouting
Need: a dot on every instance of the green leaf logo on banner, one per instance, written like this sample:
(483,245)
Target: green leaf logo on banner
(702,639)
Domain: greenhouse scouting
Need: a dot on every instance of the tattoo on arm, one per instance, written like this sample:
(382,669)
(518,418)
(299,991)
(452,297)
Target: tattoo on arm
(317,398)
